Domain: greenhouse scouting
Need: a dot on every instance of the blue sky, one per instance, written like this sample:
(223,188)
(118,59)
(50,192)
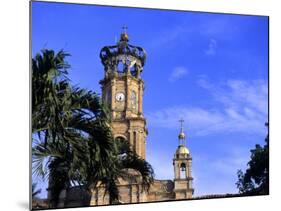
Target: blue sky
(210,69)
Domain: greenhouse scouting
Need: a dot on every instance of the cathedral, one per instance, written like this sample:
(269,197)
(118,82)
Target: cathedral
(122,89)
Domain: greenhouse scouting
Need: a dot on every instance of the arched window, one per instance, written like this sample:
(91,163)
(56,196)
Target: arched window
(122,145)
(120,138)
(120,67)
(182,170)
(133,70)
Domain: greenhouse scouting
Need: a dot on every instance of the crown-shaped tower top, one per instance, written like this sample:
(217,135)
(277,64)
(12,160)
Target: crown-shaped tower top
(123,58)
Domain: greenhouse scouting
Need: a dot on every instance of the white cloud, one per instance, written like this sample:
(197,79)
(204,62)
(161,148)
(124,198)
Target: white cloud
(208,168)
(178,73)
(241,106)
(205,168)
(212,48)
(254,94)
(202,81)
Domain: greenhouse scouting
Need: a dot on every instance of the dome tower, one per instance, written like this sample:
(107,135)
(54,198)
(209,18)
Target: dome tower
(182,168)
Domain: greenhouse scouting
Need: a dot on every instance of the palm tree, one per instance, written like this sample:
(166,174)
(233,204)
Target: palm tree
(72,139)
(34,191)
(127,160)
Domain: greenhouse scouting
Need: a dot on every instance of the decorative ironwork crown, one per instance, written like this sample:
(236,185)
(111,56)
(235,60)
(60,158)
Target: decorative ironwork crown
(123,57)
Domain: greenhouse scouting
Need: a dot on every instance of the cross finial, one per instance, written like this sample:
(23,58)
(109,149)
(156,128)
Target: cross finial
(124,36)
(125,28)
(181,122)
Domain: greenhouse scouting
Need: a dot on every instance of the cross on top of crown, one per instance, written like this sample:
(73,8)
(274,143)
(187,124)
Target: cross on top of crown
(125,28)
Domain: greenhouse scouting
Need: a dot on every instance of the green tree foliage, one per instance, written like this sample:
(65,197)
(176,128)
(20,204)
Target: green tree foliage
(255,180)
(72,140)
(128,166)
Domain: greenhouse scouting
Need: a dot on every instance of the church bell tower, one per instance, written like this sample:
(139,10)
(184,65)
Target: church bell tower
(182,169)
(122,90)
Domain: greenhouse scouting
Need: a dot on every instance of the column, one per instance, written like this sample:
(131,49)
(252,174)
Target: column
(113,92)
(176,169)
(136,142)
(141,143)
(140,95)
(187,169)
(144,146)
(128,95)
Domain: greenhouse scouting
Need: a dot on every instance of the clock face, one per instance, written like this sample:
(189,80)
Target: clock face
(120,97)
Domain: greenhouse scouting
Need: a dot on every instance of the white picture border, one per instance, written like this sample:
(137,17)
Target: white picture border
(14,86)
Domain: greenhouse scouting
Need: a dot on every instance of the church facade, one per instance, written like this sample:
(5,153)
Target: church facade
(122,89)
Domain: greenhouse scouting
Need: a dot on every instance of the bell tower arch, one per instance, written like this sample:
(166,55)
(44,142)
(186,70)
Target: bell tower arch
(122,90)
